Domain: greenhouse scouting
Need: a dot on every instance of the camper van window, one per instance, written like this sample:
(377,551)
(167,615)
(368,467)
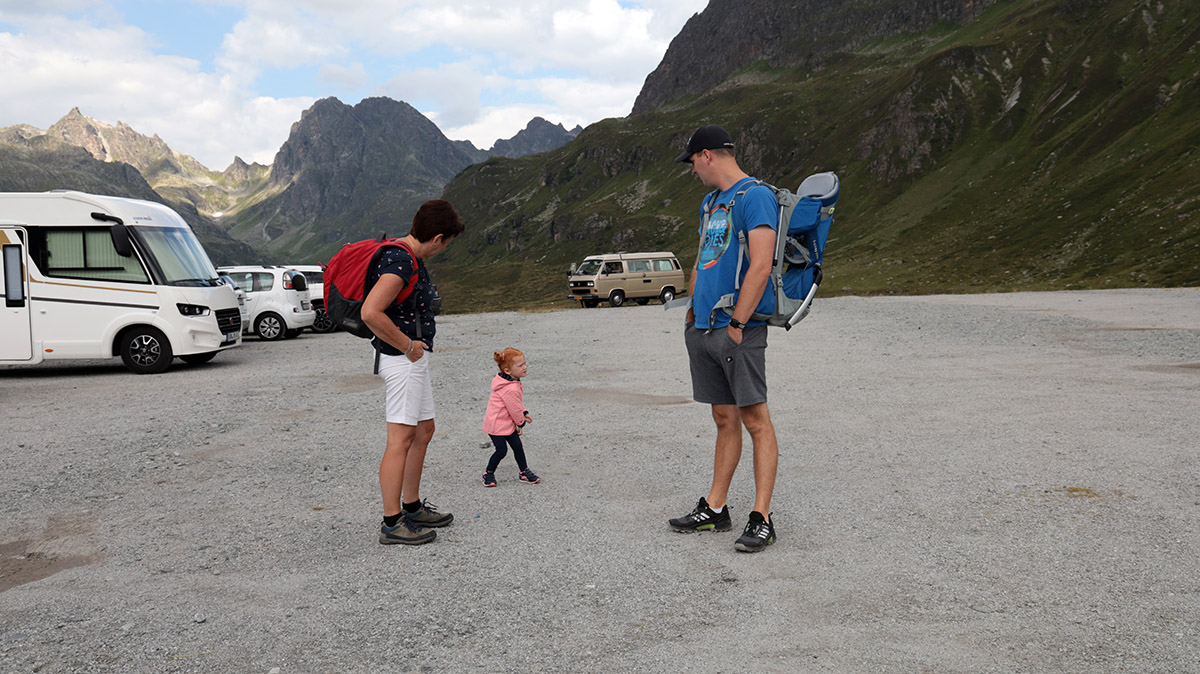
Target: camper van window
(638,266)
(83,253)
(612,267)
(179,255)
(588,268)
(663,265)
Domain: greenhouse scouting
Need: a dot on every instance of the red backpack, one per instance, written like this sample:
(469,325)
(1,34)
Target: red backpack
(346,285)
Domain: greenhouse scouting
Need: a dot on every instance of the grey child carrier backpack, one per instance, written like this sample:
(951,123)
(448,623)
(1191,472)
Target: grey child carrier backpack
(805,217)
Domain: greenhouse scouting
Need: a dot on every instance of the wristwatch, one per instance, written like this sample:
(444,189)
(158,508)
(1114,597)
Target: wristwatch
(735,323)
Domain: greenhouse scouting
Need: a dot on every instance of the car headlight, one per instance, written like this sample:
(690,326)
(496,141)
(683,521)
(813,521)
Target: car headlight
(591,284)
(192,309)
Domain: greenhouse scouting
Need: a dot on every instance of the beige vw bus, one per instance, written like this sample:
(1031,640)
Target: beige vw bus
(619,276)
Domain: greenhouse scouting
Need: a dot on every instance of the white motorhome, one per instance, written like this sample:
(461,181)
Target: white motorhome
(90,276)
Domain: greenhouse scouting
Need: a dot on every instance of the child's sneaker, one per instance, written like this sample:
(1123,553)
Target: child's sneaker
(528,477)
(702,518)
(758,534)
(405,532)
(489,479)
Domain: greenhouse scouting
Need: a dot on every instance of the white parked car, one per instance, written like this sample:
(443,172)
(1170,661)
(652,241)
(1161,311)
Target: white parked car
(276,300)
(241,298)
(315,275)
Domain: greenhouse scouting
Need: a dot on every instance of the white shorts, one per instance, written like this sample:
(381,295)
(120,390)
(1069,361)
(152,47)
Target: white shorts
(408,389)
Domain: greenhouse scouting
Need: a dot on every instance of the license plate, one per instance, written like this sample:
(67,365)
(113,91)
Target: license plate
(305,305)
(231,336)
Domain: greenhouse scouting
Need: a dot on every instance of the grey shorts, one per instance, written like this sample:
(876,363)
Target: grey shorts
(726,373)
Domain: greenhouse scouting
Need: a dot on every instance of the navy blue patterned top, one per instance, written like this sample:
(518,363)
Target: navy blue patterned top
(420,304)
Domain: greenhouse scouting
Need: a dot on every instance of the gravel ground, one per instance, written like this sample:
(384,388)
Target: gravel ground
(990,483)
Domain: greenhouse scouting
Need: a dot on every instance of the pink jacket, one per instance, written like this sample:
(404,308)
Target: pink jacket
(504,409)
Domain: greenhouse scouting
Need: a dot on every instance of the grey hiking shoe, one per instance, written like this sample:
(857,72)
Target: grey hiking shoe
(428,516)
(758,534)
(702,518)
(405,532)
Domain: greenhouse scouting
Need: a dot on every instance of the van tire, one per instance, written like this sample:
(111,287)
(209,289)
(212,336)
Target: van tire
(270,327)
(666,295)
(616,298)
(198,358)
(145,350)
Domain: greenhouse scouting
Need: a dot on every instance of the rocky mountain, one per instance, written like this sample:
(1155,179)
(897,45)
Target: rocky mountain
(33,161)
(537,136)
(716,47)
(1041,144)
(349,172)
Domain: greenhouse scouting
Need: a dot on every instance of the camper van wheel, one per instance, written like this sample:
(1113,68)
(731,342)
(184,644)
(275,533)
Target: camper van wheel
(145,350)
(617,298)
(198,358)
(269,327)
(642,301)
(667,295)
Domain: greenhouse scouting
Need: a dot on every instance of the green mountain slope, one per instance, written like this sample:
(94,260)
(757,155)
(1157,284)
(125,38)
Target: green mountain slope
(1044,145)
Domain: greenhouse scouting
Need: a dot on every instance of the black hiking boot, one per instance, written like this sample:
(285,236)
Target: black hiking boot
(758,534)
(702,518)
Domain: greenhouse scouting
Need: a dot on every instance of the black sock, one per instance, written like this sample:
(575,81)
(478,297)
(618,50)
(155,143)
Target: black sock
(412,507)
(392,520)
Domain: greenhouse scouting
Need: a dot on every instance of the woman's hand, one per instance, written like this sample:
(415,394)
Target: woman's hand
(416,349)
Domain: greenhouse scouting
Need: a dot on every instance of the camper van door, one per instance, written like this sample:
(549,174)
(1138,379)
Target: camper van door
(16,337)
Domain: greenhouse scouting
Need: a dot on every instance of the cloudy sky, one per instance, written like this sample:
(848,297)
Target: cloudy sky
(218,78)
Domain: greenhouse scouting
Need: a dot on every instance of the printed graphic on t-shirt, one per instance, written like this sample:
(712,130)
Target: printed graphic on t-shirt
(717,235)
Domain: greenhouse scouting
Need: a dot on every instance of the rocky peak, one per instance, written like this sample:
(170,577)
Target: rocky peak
(537,136)
(338,155)
(728,36)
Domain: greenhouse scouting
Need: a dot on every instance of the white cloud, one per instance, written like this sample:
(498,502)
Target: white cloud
(353,76)
(501,63)
(56,66)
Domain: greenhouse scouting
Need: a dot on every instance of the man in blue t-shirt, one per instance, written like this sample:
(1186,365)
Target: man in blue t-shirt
(727,354)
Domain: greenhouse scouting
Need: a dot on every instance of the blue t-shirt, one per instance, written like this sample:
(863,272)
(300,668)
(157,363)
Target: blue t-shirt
(419,306)
(715,270)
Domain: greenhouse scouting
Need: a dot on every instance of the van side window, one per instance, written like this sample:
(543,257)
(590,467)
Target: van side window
(83,253)
(663,265)
(612,268)
(636,266)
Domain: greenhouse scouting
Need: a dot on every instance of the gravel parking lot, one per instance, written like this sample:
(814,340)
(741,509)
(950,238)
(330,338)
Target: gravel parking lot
(978,483)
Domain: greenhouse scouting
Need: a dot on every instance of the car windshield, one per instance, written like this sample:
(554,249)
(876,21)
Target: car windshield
(179,255)
(588,268)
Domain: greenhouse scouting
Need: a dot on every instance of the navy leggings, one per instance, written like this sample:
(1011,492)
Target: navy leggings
(501,442)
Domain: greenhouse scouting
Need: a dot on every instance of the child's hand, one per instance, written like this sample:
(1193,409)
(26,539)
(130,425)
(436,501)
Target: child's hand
(518,430)
(528,419)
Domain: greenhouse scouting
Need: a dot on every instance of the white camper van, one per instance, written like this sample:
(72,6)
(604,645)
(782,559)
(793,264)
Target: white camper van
(98,277)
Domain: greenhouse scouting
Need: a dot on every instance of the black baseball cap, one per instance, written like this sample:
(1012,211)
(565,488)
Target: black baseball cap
(711,137)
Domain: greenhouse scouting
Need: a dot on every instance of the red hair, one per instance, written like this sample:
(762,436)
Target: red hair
(504,359)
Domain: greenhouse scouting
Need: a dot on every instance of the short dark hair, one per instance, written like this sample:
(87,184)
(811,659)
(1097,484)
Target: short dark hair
(436,217)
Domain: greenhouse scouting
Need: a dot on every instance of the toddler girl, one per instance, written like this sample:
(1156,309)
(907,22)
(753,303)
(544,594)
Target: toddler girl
(506,415)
